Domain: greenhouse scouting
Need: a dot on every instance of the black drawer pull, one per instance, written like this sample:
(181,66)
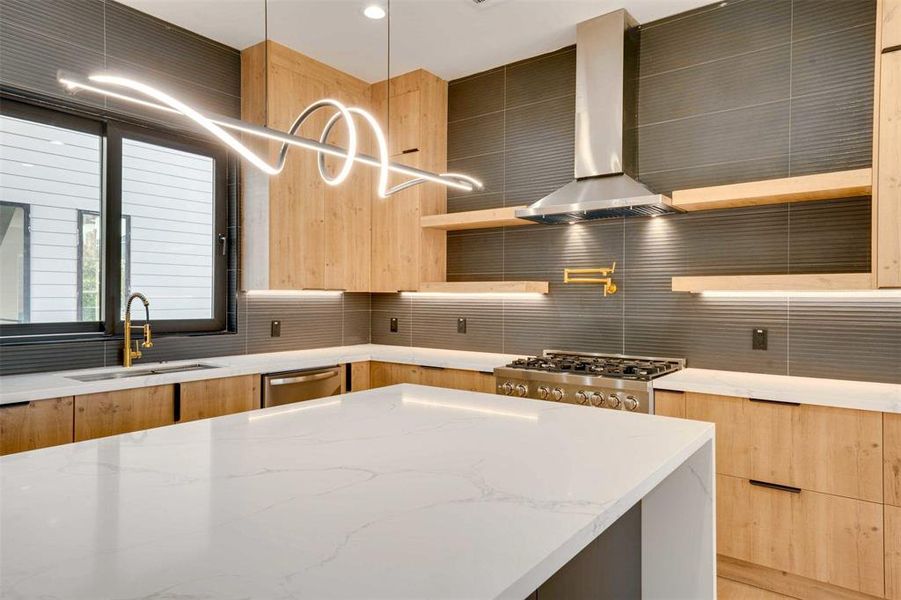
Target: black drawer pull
(775,486)
(432,368)
(410,151)
(783,402)
(176,403)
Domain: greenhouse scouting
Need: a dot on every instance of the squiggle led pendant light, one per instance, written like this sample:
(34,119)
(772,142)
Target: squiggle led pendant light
(217,125)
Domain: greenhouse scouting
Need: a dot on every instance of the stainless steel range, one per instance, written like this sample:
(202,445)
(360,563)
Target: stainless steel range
(600,380)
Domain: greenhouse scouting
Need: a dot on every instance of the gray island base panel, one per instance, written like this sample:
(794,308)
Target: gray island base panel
(399,492)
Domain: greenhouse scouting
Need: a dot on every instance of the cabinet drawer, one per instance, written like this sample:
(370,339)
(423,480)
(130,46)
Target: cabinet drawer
(216,397)
(828,538)
(892,429)
(112,413)
(457,379)
(830,450)
(669,404)
(382,374)
(37,424)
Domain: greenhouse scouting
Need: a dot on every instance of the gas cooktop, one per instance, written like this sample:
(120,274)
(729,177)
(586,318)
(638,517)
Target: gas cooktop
(601,365)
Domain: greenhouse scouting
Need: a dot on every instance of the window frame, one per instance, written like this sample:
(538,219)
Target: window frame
(118,131)
(111,132)
(26,253)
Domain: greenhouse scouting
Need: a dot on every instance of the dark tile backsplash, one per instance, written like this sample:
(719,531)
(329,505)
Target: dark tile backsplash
(751,89)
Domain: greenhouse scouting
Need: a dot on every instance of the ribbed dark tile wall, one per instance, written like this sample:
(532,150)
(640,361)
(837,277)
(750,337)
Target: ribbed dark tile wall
(38,37)
(751,89)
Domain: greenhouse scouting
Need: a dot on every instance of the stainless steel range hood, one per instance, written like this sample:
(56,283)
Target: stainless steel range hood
(606,86)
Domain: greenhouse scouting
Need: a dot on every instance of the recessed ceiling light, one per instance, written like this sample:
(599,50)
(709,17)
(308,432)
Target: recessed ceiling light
(374,11)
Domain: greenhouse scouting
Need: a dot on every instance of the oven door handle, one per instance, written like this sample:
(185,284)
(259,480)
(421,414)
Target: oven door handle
(304,378)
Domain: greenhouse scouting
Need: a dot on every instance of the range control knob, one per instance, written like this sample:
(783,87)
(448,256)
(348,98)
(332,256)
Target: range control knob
(582,398)
(596,399)
(544,392)
(631,403)
(507,388)
(521,390)
(557,395)
(613,401)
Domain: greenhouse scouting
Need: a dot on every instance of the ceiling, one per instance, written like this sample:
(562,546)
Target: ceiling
(451,38)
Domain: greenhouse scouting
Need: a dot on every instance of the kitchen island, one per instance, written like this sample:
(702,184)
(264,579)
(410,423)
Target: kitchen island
(399,492)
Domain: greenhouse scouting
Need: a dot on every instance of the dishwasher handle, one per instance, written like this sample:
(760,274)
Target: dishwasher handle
(303,378)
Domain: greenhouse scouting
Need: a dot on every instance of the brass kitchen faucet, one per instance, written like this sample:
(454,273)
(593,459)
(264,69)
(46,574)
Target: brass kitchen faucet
(129,354)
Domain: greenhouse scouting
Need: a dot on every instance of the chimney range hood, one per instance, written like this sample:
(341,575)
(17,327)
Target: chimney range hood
(606,86)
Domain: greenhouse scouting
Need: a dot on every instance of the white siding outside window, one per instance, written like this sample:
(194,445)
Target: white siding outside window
(55,172)
(169,196)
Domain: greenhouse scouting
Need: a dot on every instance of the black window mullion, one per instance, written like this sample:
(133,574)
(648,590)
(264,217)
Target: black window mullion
(112,230)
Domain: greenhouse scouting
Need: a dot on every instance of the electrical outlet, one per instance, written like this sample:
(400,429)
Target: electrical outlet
(461,325)
(393,325)
(758,339)
(275,329)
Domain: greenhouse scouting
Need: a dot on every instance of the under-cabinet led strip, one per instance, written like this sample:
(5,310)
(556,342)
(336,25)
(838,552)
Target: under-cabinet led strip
(214,124)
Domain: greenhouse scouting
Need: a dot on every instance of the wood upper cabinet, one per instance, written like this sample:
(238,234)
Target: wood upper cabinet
(124,411)
(890,24)
(892,466)
(820,536)
(216,397)
(404,254)
(37,424)
(301,233)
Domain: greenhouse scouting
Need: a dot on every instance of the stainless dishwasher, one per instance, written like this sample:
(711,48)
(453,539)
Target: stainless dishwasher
(286,387)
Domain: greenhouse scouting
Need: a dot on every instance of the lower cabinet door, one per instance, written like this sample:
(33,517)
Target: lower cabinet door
(828,538)
(669,404)
(124,411)
(37,424)
(893,552)
(217,397)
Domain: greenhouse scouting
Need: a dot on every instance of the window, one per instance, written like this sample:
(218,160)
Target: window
(69,185)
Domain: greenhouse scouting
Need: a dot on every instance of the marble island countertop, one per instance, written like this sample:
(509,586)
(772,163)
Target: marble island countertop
(400,492)
(40,386)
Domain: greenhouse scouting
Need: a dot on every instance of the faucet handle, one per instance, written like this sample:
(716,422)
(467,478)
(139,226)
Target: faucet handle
(136,352)
(148,338)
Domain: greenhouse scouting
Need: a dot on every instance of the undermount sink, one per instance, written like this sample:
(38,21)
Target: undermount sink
(125,373)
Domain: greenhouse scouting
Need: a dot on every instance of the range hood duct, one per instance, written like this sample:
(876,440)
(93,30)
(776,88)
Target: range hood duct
(606,149)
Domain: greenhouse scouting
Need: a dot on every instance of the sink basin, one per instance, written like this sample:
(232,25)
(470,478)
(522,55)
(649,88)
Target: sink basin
(126,373)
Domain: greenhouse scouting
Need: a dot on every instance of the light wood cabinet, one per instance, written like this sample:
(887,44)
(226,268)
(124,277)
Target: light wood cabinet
(383,374)
(301,233)
(830,450)
(359,376)
(887,188)
(37,424)
(892,458)
(404,254)
(216,397)
(124,411)
(820,536)
(893,552)
(890,24)
(669,404)
(727,413)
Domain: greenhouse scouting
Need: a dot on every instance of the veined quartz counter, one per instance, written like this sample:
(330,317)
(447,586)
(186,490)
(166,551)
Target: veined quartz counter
(399,492)
(40,386)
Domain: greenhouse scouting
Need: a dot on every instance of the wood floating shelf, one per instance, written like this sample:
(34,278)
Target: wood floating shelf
(819,282)
(475,219)
(823,186)
(485,287)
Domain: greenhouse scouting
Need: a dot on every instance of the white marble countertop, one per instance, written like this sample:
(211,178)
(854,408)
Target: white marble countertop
(39,386)
(400,492)
(861,395)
